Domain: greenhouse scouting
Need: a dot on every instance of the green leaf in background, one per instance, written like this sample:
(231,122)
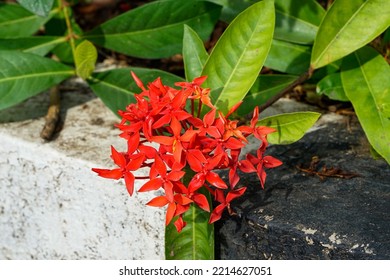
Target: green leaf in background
(85,56)
(365,76)
(194,54)
(38,7)
(230,9)
(347,26)
(236,60)
(15,21)
(40,45)
(262,90)
(332,87)
(290,126)
(297,21)
(155,30)
(23,75)
(288,57)
(116,87)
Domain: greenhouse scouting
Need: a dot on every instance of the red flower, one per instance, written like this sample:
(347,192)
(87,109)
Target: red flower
(187,143)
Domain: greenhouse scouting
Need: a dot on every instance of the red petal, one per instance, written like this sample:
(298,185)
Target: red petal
(162,121)
(158,201)
(217,213)
(201,201)
(179,224)
(118,158)
(136,162)
(176,127)
(165,140)
(175,175)
(270,162)
(170,213)
(182,200)
(129,181)
(108,173)
(215,180)
(151,185)
(133,143)
(234,194)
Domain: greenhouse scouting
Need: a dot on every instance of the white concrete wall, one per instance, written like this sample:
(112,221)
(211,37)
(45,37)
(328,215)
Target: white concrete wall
(52,206)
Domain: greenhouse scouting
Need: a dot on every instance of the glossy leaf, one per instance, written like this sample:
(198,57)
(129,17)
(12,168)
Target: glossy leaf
(196,240)
(194,54)
(348,26)
(85,56)
(23,75)
(288,57)
(40,45)
(297,21)
(38,7)
(155,30)
(239,54)
(290,126)
(15,21)
(262,90)
(332,87)
(365,76)
(116,87)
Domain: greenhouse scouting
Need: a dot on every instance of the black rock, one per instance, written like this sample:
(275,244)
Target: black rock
(329,200)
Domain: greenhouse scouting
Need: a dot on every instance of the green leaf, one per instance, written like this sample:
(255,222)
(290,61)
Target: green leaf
(288,57)
(85,56)
(239,54)
(297,21)
(116,87)
(15,21)
(332,87)
(263,89)
(195,241)
(347,26)
(38,7)
(365,76)
(40,45)
(23,75)
(230,9)
(155,30)
(290,126)
(194,54)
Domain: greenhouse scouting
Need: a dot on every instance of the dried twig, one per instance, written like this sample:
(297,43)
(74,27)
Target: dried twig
(52,116)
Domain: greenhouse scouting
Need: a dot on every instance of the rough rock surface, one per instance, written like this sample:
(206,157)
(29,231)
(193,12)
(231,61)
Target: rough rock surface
(301,215)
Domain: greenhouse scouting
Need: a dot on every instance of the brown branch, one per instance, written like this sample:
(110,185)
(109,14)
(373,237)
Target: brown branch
(53,115)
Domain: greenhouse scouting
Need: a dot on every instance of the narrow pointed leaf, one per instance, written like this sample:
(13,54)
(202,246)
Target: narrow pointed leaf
(38,7)
(290,126)
(116,87)
(332,87)
(239,54)
(297,21)
(348,26)
(288,57)
(262,90)
(40,45)
(365,77)
(15,21)
(85,56)
(155,30)
(194,54)
(23,75)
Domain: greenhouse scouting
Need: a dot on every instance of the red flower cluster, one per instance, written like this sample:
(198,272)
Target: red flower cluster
(187,143)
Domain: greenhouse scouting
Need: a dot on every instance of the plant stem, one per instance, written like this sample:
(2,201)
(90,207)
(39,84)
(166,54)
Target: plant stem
(276,97)
(71,36)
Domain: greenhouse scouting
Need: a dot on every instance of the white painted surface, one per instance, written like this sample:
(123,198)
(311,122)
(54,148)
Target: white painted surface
(52,206)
